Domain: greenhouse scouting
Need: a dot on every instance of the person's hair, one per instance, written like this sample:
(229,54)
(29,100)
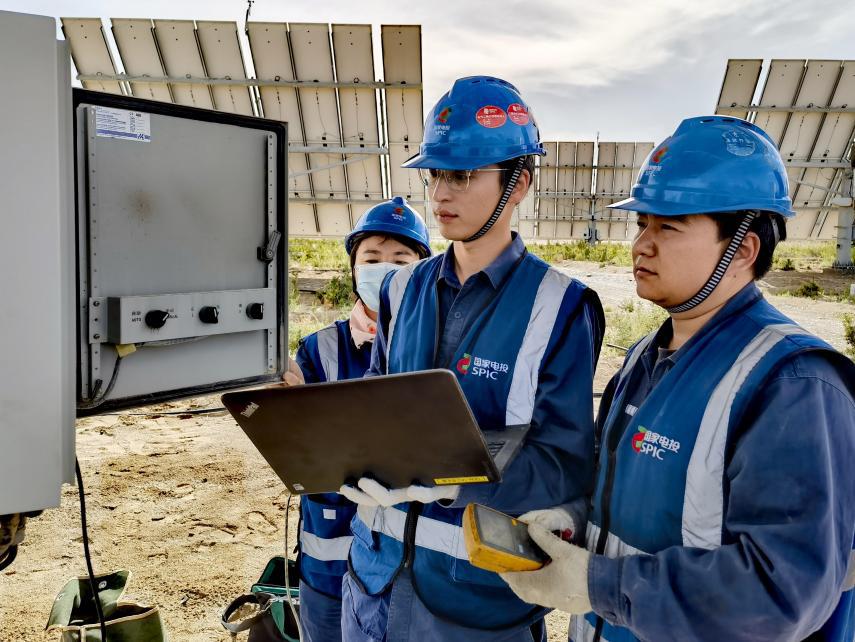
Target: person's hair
(511,163)
(763,226)
(416,247)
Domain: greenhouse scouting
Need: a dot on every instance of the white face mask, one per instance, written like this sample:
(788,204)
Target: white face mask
(369,278)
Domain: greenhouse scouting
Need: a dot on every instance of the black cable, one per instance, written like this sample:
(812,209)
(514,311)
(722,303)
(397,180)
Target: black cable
(97,400)
(8,557)
(197,411)
(92,585)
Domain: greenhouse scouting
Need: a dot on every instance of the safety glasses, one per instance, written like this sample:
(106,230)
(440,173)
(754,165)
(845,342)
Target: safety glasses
(457,180)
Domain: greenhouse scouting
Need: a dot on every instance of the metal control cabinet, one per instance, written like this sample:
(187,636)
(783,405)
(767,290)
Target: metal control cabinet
(131,228)
(36,265)
(180,216)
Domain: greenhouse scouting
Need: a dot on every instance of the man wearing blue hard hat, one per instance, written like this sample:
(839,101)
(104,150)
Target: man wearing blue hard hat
(724,502)
(386,237)
(522,339)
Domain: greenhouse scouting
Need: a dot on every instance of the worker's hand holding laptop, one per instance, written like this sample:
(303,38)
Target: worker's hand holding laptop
(370,492)
(411,432)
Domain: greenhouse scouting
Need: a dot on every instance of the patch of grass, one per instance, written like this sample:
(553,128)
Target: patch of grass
(849,334)
(804,255)
(812,290)
(326,254)
(630,321)
(602,253)
(293,291)
(329,254)
(304,319)
(338,292)
(809,289)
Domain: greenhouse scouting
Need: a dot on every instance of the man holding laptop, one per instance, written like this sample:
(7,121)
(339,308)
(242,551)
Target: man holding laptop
(522,340)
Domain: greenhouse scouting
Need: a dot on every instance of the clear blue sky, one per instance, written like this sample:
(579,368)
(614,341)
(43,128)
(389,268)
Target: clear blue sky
(627,69)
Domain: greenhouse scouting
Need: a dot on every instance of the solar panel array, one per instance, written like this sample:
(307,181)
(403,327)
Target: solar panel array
(348,132)
(808,108)
(574,188)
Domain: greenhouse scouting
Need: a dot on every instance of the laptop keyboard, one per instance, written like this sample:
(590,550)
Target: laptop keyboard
(493,447)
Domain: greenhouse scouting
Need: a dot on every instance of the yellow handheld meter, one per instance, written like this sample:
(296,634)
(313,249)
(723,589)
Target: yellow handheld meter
(498,542)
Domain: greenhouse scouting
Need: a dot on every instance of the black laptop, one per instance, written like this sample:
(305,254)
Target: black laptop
(402,429)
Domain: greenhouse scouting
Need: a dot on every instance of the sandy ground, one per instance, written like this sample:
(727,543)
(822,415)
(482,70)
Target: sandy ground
(187,504)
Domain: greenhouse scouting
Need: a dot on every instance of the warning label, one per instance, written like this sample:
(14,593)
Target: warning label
(491,116)
(120,123)
(518,114)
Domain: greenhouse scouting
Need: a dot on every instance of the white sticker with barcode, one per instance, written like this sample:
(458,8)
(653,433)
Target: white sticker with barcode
(329,513)
(124,124)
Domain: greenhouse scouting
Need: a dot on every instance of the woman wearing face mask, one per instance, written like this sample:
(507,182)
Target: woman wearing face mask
(386,237)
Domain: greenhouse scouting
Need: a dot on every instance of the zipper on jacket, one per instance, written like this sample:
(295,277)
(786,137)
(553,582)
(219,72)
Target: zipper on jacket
(413,511)
(612,440)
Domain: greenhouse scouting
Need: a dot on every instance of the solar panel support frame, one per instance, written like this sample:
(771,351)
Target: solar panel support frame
(247,82)
(795,108)
(846,221)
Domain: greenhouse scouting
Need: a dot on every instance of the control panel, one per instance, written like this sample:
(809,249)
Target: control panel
(162,317)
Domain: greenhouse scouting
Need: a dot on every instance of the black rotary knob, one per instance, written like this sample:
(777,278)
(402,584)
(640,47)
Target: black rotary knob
(156,319)
(255,311)
(209,314)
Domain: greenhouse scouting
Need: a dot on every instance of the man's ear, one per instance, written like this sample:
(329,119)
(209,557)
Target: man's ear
(747,253)
(520,189)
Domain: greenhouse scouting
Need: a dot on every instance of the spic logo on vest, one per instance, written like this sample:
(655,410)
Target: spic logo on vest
(647,442)
(463,364)
(480,367)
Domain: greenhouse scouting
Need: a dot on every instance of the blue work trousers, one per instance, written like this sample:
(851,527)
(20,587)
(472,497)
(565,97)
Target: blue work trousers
(403,617)
(320,616)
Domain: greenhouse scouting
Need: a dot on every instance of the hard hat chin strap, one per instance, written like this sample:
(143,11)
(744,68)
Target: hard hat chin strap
(723,263)
(506,194)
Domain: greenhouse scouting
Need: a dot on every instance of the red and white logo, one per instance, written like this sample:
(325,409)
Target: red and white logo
(653,444)
(518,114)
(491,116)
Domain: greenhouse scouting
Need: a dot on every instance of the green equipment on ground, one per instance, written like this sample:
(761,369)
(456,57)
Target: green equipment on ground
(74,614)
(498,542)
(265,611)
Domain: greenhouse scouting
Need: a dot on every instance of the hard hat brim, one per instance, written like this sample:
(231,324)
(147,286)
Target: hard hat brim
(664,208)
(428,160)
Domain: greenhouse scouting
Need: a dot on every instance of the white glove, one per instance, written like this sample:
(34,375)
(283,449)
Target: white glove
(552,519)
(373,493)
(357,496)
(428,494)
(563,583)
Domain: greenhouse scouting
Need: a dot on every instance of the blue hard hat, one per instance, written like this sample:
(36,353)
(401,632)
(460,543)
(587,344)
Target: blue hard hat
(482,120)
(395,218)
(712,164)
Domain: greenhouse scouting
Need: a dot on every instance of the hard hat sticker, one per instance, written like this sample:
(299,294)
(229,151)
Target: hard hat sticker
(738,144)
(518,114)
(659,154)
(491,116)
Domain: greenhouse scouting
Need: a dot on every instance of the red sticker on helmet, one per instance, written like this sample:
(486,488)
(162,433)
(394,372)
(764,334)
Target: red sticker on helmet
(491,116)
(518,114)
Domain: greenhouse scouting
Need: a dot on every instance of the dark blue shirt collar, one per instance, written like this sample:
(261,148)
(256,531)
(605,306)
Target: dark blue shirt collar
(495,272)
